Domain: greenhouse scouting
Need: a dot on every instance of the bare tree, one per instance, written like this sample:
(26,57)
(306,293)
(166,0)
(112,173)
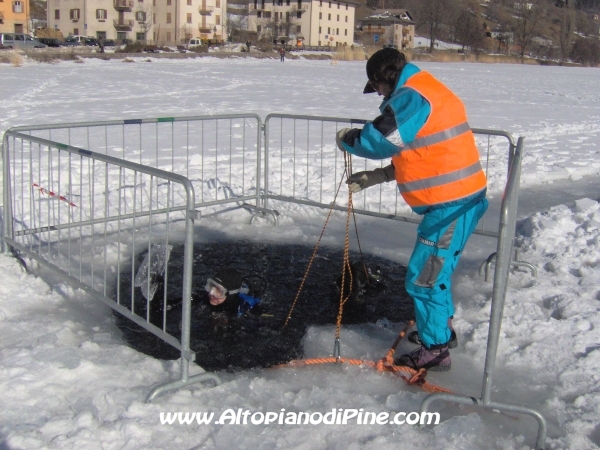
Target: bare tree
(567,27)
(435,14)
(268,27)
(468,31)
(528,23)
(186,33)
(237,20)
(37,15)
(504,39)
(586,52)
(584,25)
(274,24)
(238,27)
(144,16)
(287,25)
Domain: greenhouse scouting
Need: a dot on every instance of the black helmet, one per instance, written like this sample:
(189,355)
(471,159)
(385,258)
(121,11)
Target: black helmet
(223,291)
(230,279)
(384,66)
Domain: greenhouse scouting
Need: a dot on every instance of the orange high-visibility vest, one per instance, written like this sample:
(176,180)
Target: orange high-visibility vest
(442,164)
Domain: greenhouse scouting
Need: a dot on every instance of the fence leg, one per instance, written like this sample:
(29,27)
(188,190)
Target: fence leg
(518,263)
(485,268)
(540,442)
(184,381)
(262,213)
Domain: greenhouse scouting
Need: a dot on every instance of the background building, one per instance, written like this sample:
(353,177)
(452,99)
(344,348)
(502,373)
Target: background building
(303,22)
(161,22)
(14,16)
(387,28)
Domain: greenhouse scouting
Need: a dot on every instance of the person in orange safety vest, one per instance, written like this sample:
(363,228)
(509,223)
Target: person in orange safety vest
(435,162)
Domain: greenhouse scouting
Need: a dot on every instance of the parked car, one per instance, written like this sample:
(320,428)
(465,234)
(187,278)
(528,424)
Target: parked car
(109,43)
(19,40)
(90,41)
(194,42)
(76,37)
(72,41)
(51,42)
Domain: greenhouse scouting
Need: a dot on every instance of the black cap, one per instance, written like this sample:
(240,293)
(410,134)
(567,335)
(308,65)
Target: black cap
(381,62)
(230,279)
(369,89)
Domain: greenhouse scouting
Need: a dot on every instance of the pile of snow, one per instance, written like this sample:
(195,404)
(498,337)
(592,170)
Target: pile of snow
(228,48)
(423,42)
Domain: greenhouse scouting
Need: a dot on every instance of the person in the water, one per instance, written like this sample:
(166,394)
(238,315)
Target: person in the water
(228,293)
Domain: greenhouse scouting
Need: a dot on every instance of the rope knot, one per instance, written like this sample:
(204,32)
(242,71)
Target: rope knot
(385,364)
(418,378)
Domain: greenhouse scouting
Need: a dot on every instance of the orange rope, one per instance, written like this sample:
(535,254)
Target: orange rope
(346,264)
(390,353)
(312,258)
(417,377)
(385,364)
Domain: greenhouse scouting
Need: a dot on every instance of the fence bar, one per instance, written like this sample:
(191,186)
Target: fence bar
(147,141)
(506,235)
(508,220)
(286,135)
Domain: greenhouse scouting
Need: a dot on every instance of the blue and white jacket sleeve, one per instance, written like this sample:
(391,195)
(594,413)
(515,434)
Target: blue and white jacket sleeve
(403,114)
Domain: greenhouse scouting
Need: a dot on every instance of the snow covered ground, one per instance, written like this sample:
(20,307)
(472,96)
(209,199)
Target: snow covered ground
(67,380)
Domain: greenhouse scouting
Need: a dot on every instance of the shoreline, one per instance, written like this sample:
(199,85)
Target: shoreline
(71,54)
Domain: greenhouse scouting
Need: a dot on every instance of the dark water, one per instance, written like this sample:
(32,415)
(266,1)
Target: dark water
(260,340)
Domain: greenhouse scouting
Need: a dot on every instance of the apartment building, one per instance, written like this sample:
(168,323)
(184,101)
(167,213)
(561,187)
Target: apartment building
(161,22)
(14,16)
(303,22)
(387,28)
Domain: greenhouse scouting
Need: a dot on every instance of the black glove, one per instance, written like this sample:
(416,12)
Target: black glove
(339,136)
(362,180)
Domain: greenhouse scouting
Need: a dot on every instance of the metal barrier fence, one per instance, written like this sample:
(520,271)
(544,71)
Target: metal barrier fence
(218,154)
(87,216)
(506,233)
(83,199)
(88,222)
(303,165)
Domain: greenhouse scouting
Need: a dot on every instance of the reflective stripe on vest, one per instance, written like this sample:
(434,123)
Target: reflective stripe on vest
(442,164)
(440,179)
(438,137)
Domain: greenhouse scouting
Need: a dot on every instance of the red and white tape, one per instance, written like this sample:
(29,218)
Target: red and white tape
(53,194)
